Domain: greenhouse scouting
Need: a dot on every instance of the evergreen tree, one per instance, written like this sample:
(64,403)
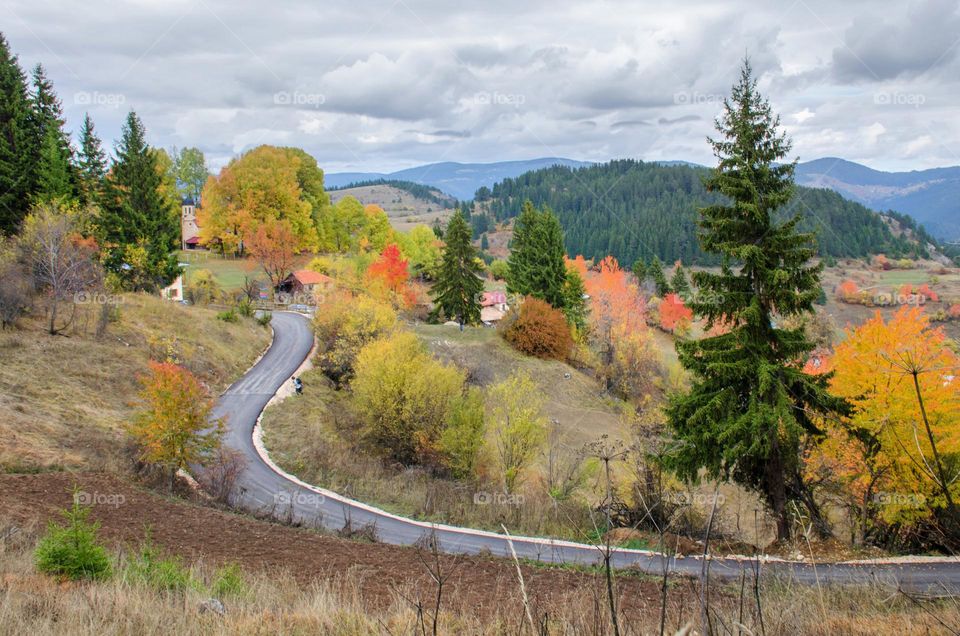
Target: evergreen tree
(140,228)
(458,287)
(659,279)
(679,283)
(575,304)
(640,270)
(91,164)
(537,257)
(484,242)
(437,228)
(17,150)
(54,176)
(750,404)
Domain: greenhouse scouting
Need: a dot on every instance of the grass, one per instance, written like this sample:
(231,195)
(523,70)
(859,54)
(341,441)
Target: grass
(64,400)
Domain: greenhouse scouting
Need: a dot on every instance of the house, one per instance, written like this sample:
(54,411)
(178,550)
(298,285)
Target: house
(493,306)
(189,228)
(173,291)
(306,281)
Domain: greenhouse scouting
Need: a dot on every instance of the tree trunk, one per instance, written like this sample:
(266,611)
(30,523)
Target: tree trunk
(776,488)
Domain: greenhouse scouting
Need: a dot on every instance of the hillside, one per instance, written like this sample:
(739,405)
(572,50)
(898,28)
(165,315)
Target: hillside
(929,196)
(405,209)
(633,209)
(460,180)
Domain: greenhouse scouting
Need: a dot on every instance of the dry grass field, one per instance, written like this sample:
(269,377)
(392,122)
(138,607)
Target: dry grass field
(404,209)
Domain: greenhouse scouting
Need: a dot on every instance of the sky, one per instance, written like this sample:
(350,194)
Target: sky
(379,85)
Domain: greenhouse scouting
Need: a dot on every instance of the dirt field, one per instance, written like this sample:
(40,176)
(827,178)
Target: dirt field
(404,210)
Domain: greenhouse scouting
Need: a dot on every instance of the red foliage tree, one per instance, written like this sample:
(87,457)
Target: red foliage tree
(390,273)
(674,315)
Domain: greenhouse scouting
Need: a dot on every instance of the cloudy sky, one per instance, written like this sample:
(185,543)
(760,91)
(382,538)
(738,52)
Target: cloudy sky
(388,84)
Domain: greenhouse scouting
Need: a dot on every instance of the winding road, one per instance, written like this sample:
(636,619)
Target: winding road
(262,488)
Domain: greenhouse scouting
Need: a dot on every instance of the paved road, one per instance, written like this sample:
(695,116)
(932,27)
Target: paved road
(262,489)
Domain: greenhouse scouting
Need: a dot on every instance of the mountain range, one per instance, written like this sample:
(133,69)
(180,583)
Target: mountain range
(932,197)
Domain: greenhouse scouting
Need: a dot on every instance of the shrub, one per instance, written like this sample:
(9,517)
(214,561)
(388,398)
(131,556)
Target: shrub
(344,326)
(228,581)
(404,397)
(264,319)
(152,569)
(72,550)
(230,315)
(245,307)
(202,288)
(500,269)
(539,330)
(462,439)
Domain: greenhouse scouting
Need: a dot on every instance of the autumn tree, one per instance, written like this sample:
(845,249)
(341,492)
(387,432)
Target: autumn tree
(173,427)
(63,263)
(895,456)
(388,275)
(517,425)
(751,405)
(347,324)
(456,293)
(675,316)
(422,249)
(272,245)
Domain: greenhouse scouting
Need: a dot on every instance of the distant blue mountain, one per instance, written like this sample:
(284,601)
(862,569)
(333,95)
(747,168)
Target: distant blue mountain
(932,197)
(460,180)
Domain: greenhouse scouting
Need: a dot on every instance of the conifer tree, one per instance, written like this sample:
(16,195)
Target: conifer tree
(679,283)
(136,214)
(54,176)
(537,257)
(17,150)
(91,164)
(640,270)
(575,305)
(750,404)
(658,277)
(458,287)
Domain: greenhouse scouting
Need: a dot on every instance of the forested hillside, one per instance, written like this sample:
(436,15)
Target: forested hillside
(632,209)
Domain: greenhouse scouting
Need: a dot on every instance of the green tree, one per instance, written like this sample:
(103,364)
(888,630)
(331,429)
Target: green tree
(750,403)
(679,283)
(658,277)
(537,256)
(54,172)
(457,290)
(136,212)
(17,139)
(575,303)
(91,164)
(517,425)
(72,550)
(190,171)
(640,270)
(462,440)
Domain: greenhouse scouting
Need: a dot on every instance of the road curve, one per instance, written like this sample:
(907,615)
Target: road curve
(263,489)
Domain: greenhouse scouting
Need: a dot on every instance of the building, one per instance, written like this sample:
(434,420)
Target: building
(189,229)
(493,307)
(173,291)
(305,281)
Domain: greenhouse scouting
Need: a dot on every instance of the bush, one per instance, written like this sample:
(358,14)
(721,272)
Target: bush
(405,397)
(202,288)
(152,569)
(72,551)
(264,319)
(229,315)
(228,581)
(539,330)
(462,440)
(245,307)
(500,269)
(344,326)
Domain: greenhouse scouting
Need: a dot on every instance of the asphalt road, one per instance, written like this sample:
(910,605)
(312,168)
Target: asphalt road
(263,490)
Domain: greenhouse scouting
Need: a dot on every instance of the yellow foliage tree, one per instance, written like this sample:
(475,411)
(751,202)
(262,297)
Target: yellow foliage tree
(518,427)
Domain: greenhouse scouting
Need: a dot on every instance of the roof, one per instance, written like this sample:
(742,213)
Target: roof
(493,298)
(193,240)
(491,314)
(310,277)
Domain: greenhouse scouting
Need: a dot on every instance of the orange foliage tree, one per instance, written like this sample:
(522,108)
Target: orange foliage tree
(172,428)
(538,330)
(890,459)
(848,291)
(272,244)
(389,274)
(675,317)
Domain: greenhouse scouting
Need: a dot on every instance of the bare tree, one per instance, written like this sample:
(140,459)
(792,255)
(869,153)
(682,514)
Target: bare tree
(61,260)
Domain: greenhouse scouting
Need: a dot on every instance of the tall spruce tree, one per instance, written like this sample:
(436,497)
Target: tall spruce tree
(91,164)
(575,304)
(54,177)
(658,277)
(537,257)
(140,226)
(679,283)
(17,142)
(640,270)
(458,287)
(750,404)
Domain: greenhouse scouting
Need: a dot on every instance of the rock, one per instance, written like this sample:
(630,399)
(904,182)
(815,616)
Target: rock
(213,605)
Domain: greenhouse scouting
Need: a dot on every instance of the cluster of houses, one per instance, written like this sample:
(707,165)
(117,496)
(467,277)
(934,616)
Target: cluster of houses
(304,284)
